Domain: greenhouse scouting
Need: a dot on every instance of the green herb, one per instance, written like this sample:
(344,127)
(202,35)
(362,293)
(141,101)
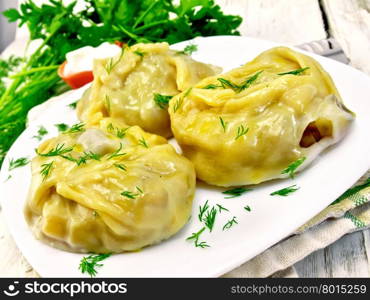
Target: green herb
(295,72)
(195,236)
(57,151)
(249,81)
(247,208)
(210,218)
(95,214)
(140,190)
(293,167)
(230,223)
(89,263)
(79,127)
(223,124)
(111,64)
(180,100)
(91,155)
(45,170)
(228,84)
(235,192)
(241,131)
(120,133)
(189,49)
(73,105)
(221,208)
(61,127)
(41,132)
(211,86)
(202,210)
(107,103)
(140,53)
(286,191)
(19,162)
(116,153)
(129,194)
(61,28)
(143,143)
(120,166)
(7,66)
(162,100)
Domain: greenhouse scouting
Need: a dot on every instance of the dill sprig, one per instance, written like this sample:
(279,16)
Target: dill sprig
(41,133)
(118,132)
(241,131)
(202,210)
(79,127)
(180,100)
(143,142)
(19,162)
(211,86)
(230,223)
(111,63)
(293,167)
(139,53)
(73,105)
(57,151)
(223,124)
(140,190)
(116,153)
(247,208)
(162,100)
(129,194)
(46,170)
(120,166)
(235,192)
(89,263)
(61,127)
(295,72)
(235,87)
(210,218)
(221,208)
(195,236)
(286,191)
(189,49)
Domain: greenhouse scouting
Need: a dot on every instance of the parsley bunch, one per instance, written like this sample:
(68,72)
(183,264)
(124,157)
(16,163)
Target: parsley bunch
(62,29)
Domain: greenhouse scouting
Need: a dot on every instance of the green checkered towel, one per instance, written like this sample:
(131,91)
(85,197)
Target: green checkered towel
(349,213)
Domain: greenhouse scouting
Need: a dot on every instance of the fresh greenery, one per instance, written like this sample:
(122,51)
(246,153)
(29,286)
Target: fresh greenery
(79,127)
(89,263)
(41,133)
(241,131)
(295,72)
(62,29)
(223,124)
(180,100)
(139,53)
(117,152)
(235,192)
(143,142)
(235,87)
(202,209)
(293,167)
(286,191)
(19,162)
(121,167)
(247,208)
(62,127)
(230,223)
(221,208)
(129,194)
(57,151)
(7,66)
(210,218)
(73,105)
(195,237)
(189,49)
(46,170)
(118,132)
(162,100)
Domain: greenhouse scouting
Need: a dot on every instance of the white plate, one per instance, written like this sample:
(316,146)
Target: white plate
(270,220)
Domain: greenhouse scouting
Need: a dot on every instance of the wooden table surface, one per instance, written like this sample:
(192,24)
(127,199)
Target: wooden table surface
(291,22)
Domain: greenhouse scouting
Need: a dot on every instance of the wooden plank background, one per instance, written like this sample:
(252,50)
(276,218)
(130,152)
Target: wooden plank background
(291,22)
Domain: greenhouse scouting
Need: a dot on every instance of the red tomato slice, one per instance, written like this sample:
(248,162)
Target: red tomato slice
(76,80)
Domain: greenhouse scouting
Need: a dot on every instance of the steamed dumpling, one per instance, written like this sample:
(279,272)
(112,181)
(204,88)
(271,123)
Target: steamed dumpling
(248,125)
(124,86)
(113,188)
